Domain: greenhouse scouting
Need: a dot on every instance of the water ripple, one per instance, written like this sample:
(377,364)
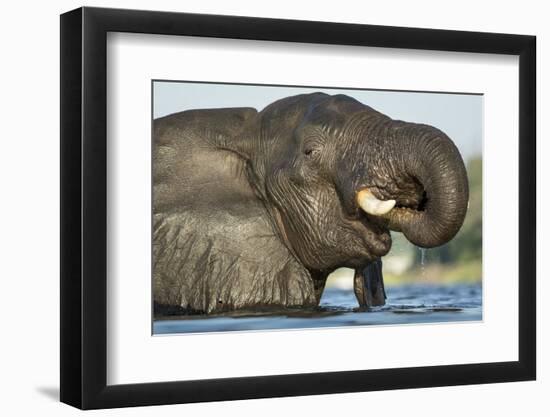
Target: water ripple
(406,304)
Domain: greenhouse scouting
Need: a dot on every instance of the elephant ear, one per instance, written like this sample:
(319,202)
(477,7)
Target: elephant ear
(214,245)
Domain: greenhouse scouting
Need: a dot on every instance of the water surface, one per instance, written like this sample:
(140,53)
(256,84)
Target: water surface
(406,304)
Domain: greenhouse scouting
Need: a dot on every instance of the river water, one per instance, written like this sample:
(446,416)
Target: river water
(406,304)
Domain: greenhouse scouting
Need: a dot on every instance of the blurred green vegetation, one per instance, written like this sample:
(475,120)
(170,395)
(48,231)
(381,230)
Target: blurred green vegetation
(459,260)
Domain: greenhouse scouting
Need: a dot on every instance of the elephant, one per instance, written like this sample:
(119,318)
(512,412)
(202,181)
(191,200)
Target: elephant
(254,209)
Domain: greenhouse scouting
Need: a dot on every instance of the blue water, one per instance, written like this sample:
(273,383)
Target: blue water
(406,304)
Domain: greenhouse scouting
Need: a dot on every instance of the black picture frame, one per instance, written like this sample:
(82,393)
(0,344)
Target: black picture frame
(84,207)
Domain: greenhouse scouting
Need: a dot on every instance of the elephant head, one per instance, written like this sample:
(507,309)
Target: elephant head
(258,208)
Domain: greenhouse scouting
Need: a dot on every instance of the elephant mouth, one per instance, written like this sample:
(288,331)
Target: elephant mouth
(376,214)
(375,234)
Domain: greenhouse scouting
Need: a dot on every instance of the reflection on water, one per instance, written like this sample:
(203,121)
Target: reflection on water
(406,304)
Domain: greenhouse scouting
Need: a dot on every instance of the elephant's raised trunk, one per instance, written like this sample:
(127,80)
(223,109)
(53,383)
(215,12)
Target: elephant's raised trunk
(432,160)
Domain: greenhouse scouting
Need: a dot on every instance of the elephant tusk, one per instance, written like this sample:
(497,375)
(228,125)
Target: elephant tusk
(371,205)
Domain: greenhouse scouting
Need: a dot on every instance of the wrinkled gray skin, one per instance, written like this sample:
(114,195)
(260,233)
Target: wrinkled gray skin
(255,209)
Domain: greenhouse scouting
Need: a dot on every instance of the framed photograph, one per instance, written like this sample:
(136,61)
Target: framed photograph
(257,208)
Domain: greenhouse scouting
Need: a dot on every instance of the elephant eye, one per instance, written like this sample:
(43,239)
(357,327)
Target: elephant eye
(312,145)
(311,150)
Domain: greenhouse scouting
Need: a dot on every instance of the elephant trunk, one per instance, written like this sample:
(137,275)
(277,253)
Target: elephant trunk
(432,160)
